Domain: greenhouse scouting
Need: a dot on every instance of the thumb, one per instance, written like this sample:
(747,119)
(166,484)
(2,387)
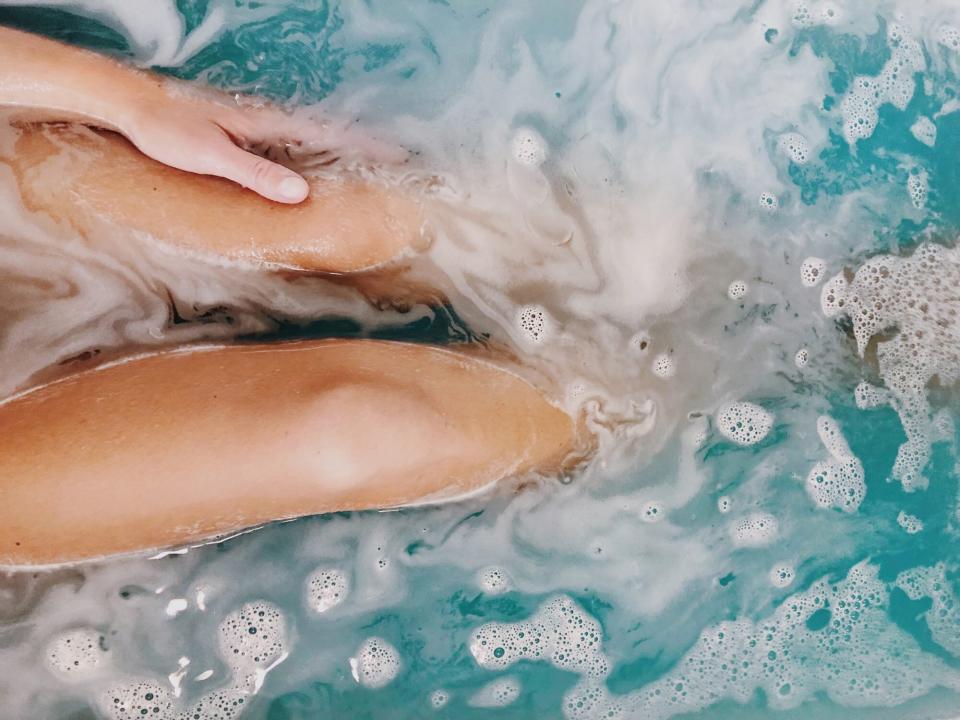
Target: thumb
(264,177)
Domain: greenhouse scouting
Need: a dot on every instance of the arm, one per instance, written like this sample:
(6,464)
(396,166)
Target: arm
(171,122)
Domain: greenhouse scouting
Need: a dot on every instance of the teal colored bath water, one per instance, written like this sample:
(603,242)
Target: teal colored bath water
(716,559)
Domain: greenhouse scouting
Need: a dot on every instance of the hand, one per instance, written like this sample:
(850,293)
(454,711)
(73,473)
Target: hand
(206,135)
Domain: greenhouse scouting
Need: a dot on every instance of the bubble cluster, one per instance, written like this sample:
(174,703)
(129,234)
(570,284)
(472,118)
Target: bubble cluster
(910,523)
(755,530)
(804,17)
(833,297)
(663,366)
(949,37)
(326,588)
(914,295)
(768,201)
(724,504)
(924,131)
(738,290)
(794,146)
(439,698)
(744,423)
(943,617)
(376,663)
(497,693)
(139,699)
(811,271)
(894,85)
(225,704)
(782,575)
(917,188)
(528,147)
(559,633)
(839,480)
(493,581)
(868,396)
(76,652)
(253,638)
(534,323)
(651,512)
(801,358)
(834,639)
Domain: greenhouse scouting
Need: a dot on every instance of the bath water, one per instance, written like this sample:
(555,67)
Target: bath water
(727,229)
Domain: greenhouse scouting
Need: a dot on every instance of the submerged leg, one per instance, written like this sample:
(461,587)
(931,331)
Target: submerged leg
(87,177)
(176,447)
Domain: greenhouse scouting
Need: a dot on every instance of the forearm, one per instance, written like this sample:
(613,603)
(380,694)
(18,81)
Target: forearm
(46,80)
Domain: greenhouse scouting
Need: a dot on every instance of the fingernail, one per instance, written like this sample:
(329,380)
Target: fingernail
(293,188)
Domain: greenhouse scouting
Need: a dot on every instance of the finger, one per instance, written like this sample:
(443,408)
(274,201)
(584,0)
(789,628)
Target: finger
(264,177)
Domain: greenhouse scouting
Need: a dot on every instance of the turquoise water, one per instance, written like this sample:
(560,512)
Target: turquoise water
(682,573)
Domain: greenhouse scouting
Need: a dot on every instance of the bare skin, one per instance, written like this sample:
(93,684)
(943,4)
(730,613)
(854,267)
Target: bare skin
(180,125)
(88,178)
(175,448)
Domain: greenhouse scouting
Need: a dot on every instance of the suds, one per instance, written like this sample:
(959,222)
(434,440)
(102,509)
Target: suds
(598,178)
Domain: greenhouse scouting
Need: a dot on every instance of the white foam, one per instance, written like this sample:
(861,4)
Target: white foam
(910,523)
(943,617)
(915,296)
(252,640)
(839,480)
(949,37)
(755,530)
(528,147)
(744,423)
(833,297)
(894,85)
(439,699)
(497,693)
(77,652)
(924,131)
(738,290)
(801,358)
(782,575)
(868,396)
(376,663)
(326,588)
(651,512)
(794,146)
(768,201)
(663,366)
(724,504)
(917,188)
(534,323)
(811,271)
(137,699)
(493,580)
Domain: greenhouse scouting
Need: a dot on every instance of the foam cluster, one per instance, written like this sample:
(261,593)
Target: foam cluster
(917,188)
(76,653)
(768,201)
(837,481)
(755,530)
(794,146)
(497,693)
(663,366)
(894,85)
(326,588)
(493,581)
(833,639)
(651,512)
(782,575)
(534,323)
(943,617)
(924,131)
(949,37)
(811,271)
(724,504)
(911,524)
(439,699)
(253,638)
(738,290)
(376,663)
(916,296)
(807,15)
(801,358)
(528,147)
(140,699)
(744,423)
